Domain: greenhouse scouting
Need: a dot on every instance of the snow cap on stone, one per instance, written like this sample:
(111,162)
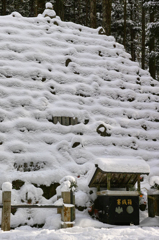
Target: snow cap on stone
(49,12)
(49,5)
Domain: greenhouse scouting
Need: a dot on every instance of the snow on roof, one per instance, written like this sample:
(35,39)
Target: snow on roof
(68,96)
(121,165)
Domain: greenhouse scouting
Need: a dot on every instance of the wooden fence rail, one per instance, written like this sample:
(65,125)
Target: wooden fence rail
(67,209)
(33,206)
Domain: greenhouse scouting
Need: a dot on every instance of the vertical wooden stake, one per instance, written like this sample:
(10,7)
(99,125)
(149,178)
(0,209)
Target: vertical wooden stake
(138,183)
(68,212)
(72,196)
(6,211)
(59,209)
(108,180)
(151,206)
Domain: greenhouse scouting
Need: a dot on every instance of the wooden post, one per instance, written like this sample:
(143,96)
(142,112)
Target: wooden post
(108,180)
(67,121)
(72,197)
(6,211)
(151,206)
(68,210)
(63,120)
(59,119)
(55,120)
(76,120)
(138,183)
(58,209)
(72,121)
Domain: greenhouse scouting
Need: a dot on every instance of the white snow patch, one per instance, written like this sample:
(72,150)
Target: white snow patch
(6,186)
(129,165)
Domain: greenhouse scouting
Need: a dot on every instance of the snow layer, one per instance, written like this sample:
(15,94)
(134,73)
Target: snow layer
(129,165)
(6,186)
(118,193)
(68,96)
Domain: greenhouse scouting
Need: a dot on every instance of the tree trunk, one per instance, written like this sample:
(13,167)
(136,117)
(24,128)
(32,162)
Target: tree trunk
(93,13)
(59,9)
(143,35)
(79,12)
(3,7)
(74,10)
(87,12)
(152,48)
(31,9)
(124,37)
(107,6)
(133,14)
(40,6)
(35,8)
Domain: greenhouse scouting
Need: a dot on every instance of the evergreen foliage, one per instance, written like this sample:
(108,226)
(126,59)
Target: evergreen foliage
(152,8)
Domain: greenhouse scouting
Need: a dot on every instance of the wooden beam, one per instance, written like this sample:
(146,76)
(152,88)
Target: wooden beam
(128,182)
(108,180)
(35,206)
(138,183)
(119,177)
(63,121)
(55,120)
(59,119)
(112,185)
(72,121)
(112,177)
(76,120)
(135,179)
(67,121)
(92,182)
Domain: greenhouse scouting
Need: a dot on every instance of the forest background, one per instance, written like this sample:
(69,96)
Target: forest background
(133,23)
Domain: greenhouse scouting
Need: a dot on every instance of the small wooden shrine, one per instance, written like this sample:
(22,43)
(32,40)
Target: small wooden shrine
(118,173)
(116,202)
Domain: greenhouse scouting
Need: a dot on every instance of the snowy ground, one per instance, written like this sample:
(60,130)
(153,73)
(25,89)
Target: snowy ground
(87,228)
(90,233)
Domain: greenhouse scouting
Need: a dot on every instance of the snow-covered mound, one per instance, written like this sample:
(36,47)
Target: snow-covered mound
(69,95)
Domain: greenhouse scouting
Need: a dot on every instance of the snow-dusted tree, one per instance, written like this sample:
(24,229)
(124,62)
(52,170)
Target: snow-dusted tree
(117,24)
(143,34)
(93,13)
(59,8)
(153,36)
(3,6)
(135,26)
(126,24)
(107,8)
